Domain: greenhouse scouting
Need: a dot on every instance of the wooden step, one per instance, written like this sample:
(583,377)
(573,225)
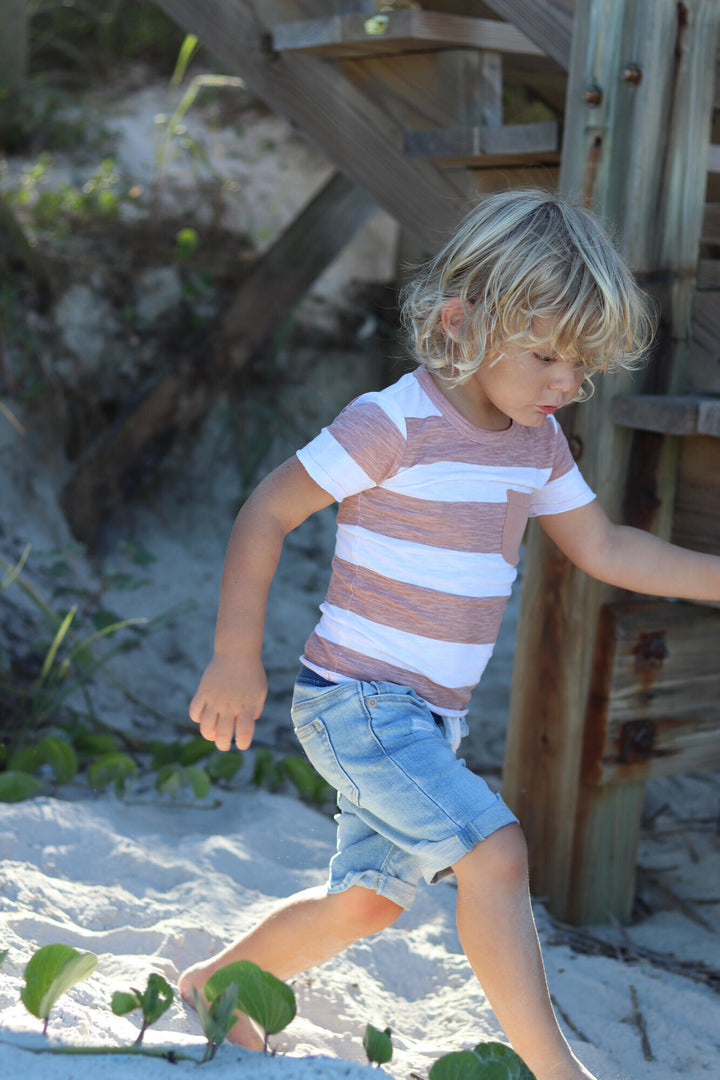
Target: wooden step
(361,35)
(668,414)
(487,144)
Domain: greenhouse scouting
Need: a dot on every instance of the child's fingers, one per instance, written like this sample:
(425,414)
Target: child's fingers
(223,729)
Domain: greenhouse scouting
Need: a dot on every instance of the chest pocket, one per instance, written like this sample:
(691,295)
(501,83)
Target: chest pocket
(516,516)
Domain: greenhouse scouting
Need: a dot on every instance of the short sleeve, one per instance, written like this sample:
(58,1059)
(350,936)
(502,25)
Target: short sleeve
(566,488)
(362,447)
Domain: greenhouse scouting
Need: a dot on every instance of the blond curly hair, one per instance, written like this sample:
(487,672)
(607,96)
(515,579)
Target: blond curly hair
(520,256)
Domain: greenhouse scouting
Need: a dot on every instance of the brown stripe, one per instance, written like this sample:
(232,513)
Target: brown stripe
(432,439)
(331,657)
(457,526)
(370,438)
(413,609)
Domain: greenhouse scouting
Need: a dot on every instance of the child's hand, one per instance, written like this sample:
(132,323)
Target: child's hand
(229,700)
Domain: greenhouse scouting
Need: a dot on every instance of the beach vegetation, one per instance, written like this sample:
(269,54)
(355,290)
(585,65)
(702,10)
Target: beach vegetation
(240,987)
(378,1045)
(153,1001)
(113,768)
(63,666)
(267,1000)
(216,1018)
(487,1061)
(51,971)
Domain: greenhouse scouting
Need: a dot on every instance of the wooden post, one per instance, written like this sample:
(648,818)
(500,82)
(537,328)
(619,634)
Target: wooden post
(637,128)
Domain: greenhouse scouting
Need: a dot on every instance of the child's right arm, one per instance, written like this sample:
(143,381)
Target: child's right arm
(232,690)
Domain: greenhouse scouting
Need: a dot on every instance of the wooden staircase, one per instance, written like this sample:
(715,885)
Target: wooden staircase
(409,104)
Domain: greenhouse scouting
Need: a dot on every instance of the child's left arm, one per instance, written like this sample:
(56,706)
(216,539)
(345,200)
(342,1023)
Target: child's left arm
(630,558)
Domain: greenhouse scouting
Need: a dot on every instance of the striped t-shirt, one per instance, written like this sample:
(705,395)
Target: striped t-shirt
(432,512)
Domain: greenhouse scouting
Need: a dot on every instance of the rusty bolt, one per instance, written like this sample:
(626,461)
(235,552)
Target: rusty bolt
(632,74)
(593,94)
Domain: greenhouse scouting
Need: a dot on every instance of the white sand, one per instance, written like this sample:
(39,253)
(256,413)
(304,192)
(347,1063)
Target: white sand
(153,885)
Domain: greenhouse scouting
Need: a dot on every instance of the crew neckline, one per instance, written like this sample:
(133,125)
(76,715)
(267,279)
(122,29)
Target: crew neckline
(456,418)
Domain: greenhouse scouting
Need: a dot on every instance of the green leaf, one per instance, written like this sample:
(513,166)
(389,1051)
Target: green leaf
(123,1003)
(263,997)
(91,745)
(195,750)
(267,772)
(199,781)
(169,780)
(157,998)
(3,954)
(309,785)
(52,751)
(460,1065)
(501,1062)
(51,971)
(488,1061)
(187,49)
(224,766)
(55,645)
(113,768)
(153,1001)
(218,1017)
(378,1045)
(16,786)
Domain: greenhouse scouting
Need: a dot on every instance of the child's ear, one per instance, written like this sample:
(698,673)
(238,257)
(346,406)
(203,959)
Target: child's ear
(453,315)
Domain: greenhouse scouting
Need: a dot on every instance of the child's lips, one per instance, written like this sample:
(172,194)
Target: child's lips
(548,409)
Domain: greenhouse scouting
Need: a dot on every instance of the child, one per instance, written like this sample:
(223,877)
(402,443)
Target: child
(436,477)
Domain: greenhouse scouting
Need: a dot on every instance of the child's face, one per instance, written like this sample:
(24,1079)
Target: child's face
(527,383)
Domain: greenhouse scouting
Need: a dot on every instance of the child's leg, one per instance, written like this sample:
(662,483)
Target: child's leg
(301,932)
(498,935)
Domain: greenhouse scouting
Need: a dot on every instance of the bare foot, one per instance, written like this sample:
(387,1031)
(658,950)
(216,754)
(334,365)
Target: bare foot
(244,1031)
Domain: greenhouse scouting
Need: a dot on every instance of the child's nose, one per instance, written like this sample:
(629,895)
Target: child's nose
(564,379)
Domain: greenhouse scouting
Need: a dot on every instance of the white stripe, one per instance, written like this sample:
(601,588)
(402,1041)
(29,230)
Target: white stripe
(459,573)
(457,481)
(405,400)
(324,448)
(568,492)
(444,662)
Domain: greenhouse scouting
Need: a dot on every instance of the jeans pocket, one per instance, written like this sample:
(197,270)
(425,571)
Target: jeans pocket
(315,740)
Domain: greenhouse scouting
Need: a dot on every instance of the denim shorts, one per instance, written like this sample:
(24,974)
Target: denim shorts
(409,809)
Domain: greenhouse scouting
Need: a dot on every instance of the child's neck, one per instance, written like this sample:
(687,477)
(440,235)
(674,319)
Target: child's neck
(472,403)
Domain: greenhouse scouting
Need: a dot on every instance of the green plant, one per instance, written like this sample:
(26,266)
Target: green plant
(378,1045)
(487,1061)
(51,971)
(66,665)
(261,996)
(172,135)
(216,1018)
(153,1001)
(58,208)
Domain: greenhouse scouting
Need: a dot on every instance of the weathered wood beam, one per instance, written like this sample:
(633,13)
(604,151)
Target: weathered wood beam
(274,286)
(655,697)
(636,153)
(548,23)
(338,116)
(696,521)
(668,414)
(487,144)
(408,30)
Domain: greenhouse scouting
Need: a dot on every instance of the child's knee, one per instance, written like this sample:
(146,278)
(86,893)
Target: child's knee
(368,912)
(501,859)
